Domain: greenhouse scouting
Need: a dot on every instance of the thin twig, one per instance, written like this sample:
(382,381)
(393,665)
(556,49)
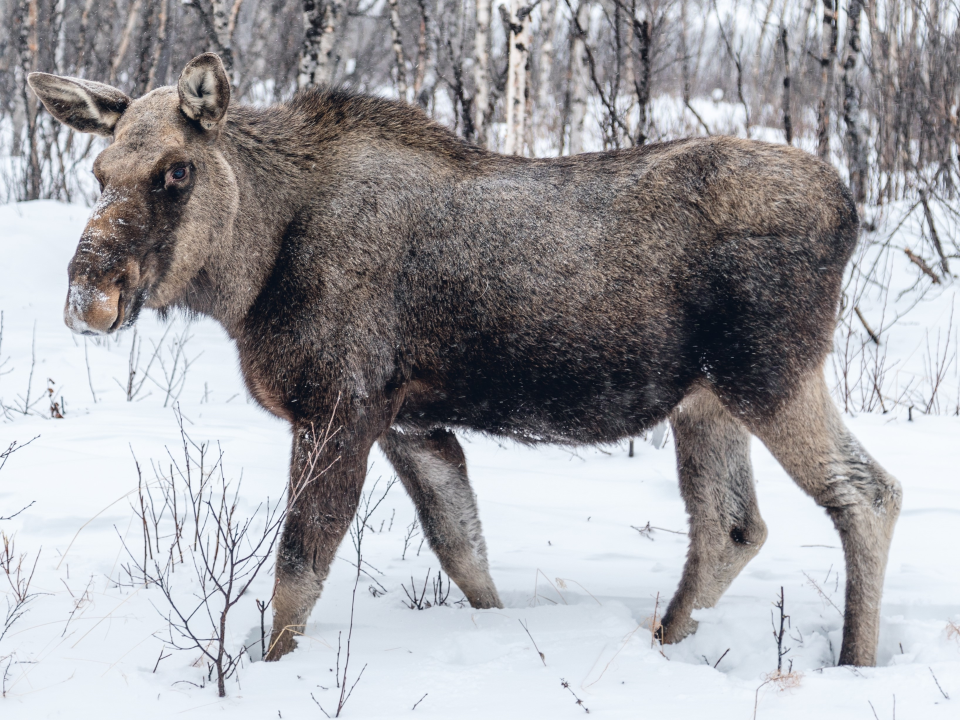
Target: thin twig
(543,658)
(946,697)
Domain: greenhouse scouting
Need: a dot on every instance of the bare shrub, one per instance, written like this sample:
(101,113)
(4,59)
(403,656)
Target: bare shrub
(223,550)
(778,635)
(361,522)
(413,529)
(136,377)
(778,678)
(174,363)
(24,404)
(416,600)
(18,571)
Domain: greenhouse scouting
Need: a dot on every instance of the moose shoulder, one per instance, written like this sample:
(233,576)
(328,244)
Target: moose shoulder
(374,269)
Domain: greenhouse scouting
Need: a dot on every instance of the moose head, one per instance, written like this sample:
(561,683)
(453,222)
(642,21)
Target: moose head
(167,191)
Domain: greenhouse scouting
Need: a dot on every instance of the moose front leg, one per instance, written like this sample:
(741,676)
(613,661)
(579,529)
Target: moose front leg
(326,480)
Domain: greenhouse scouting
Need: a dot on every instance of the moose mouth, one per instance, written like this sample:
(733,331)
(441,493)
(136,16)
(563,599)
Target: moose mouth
(118,323)
(128,309)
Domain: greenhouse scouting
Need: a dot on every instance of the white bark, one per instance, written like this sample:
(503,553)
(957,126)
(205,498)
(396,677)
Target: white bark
(578,80)
(548,13)
(481,69)
(132,15)
(224,21)
(428,50)
(519,53)
(321,21)
(221,21)
(397,43)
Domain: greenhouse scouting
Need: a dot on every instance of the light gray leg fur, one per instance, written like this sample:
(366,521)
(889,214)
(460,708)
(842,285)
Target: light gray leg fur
(716,482)
(809,439)
(433,470)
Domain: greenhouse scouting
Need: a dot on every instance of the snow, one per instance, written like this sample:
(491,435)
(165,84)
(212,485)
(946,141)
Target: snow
(558,524)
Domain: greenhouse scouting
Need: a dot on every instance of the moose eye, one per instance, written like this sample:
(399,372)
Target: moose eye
(178,176)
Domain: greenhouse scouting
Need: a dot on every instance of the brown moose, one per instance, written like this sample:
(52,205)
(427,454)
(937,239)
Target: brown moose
(374,268)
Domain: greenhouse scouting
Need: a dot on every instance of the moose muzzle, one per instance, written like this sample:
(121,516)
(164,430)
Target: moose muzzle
(94,309)
(104,273)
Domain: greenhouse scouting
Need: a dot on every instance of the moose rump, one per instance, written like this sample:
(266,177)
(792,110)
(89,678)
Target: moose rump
(383,277)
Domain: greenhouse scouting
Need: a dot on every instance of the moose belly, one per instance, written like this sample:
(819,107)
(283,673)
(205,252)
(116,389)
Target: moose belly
(561,404)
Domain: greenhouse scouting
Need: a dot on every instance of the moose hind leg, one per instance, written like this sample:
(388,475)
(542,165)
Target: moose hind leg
(808,438)
(433,470)
(716,482)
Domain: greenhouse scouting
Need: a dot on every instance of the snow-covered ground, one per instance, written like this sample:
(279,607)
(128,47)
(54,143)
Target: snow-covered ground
(559,524)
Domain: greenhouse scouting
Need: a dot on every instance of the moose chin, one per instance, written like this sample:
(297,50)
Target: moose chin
(380,274)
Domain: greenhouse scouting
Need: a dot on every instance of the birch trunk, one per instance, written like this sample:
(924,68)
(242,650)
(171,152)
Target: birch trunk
(827,62)
(481,70)
(27,18)
(548,14)
(397,42)
(518,55)
(578,80)
(158,73)
(82,41)
(132,14)
(851,101)
(425,76)
(145,39)
(640,34)
(224,20)
(321,21)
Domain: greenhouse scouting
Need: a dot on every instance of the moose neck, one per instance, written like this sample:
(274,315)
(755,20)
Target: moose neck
(269,187)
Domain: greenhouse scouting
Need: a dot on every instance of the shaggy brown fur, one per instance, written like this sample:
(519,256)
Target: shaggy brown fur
(373,268)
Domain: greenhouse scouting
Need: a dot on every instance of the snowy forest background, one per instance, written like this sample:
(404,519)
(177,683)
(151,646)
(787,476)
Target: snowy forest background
(97,435)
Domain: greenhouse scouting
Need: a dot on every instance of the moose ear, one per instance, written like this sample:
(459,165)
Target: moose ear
(84,105)
(204,90)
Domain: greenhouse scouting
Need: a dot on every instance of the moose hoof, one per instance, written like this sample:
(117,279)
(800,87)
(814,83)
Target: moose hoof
(672,631)
(485,600)
(280,647)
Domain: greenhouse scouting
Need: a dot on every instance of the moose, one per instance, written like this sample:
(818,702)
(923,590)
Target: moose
(380,274)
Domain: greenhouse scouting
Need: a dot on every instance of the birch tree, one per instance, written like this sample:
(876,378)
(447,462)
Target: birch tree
(219,20)
(828,54)
(481,69)
(517,67)
(851,101)
(224,21)
(396,41)
(548,13)
(425,73)
(25,19)
(321,20)
(579,77)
